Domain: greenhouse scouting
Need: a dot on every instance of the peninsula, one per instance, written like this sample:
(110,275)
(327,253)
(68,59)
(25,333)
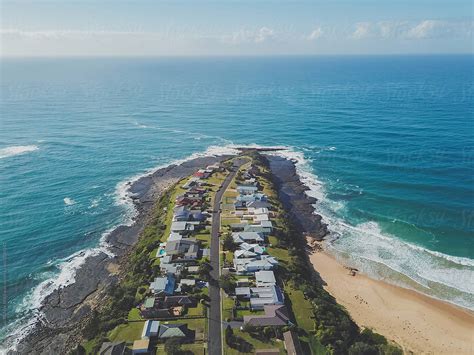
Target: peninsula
(217,262)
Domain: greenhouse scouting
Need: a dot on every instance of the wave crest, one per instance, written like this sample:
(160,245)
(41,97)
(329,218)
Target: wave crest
(17,150)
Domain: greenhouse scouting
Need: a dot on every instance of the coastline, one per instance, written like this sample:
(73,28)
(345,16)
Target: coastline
(64,311)
(415,321)
(418,323)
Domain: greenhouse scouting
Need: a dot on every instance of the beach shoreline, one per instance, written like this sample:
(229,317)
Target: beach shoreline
(415,321)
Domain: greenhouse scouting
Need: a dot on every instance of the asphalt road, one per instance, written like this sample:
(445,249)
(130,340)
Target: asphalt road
(215,321)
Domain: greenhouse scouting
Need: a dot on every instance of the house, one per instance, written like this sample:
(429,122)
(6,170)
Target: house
(176,301)
(258,228)
(163,285)
(247,237)
(275,315)
(173,237)
(148,308)
(202,174)
(141,346)
(109,348)
(186,282)
(265,278)
(251,265)
(261,217)
(150,329)
(264,296)
(193,269)
(183,214)
(193,181)
(242,292)
(169,268)
(172,331)
(256,248)
(258,210)
(240,205)
(244,254)
(246,189)
(187,249)
(182,227)
(258,204)
(292,343)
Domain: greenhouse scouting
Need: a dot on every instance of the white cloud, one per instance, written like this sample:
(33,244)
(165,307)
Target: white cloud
(425,29)
(362,31)
(68,34)
(250,36)
(316,34)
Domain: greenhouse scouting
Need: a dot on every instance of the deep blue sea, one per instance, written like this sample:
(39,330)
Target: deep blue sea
(385,143)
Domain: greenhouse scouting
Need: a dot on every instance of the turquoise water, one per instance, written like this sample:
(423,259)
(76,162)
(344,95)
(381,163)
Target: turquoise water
(385,143)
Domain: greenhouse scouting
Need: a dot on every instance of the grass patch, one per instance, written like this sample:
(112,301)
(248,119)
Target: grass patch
(227,305)
(256,343)
(134,314)
(196,311)
(127,332)
(302,308)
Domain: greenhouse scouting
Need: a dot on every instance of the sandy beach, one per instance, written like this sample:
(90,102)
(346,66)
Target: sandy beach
(418,323)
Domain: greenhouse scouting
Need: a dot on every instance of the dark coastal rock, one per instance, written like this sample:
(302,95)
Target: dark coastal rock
(64,312)
(292,193)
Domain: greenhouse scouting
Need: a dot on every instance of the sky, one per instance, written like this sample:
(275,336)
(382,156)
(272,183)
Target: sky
(226,27)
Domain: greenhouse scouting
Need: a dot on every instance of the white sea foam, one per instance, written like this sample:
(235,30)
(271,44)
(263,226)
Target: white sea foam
(368,248)
(69,201)
(17,150)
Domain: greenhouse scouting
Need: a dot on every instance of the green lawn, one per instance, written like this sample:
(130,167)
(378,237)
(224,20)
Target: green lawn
(227,305)
(302,308)
(257,344)
(134,314)
(195,348)
(127,332)
(228,221)
(196,311)
(248,312)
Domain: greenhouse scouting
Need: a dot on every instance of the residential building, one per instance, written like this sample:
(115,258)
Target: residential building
(141,346)
(247,237)
(265,278)
(264,296)
(150,329)
(275,315)
(172,331)
(163,285)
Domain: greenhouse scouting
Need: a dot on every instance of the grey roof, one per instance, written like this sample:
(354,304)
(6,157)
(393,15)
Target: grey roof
(182,246)
(276,315)
(242,291)
(172,331)
(265,276)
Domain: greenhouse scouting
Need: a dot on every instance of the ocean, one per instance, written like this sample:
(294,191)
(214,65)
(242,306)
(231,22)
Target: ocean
(385,143)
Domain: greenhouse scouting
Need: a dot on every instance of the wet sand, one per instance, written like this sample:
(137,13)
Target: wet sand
(416,322)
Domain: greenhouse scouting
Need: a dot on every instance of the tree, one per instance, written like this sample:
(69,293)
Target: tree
(228,242)
(227,283)
(204,270)
(229,335)
(363,349)
(172,346)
